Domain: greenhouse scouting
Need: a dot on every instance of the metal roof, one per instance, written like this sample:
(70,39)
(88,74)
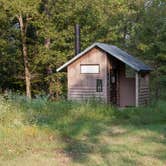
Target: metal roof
(115,52)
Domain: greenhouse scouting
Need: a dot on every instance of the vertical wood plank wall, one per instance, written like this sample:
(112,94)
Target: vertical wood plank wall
(83,86)
(136,89)
(109,67)
(143,89)
(127,88)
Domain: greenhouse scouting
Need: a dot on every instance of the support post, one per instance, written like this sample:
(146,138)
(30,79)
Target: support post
(136,89)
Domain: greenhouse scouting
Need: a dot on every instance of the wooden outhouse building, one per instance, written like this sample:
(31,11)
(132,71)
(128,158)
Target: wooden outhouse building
(106,72)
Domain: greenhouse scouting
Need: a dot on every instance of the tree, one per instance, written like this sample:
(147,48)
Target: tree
(40,35)
(150,38)
(24,11)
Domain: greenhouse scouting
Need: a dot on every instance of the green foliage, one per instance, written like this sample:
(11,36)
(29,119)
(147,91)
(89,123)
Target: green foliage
(150,40)
(137,26)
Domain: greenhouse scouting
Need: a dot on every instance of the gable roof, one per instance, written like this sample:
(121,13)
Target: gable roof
(115,52)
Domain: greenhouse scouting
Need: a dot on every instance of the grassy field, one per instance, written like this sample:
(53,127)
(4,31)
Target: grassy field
(39,132)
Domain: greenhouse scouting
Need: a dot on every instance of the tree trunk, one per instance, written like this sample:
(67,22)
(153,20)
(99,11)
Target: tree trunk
(49,73)
(57,88)
(23,27)
(157,88)
(50,83)
(47,46)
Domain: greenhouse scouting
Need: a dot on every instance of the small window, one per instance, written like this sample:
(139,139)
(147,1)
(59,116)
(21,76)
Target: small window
(129,72)
(89,69)
(99,85)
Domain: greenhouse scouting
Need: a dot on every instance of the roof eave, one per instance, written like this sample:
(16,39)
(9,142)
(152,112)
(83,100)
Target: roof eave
(64,66)
(146,70)
(132,66)
(76,57)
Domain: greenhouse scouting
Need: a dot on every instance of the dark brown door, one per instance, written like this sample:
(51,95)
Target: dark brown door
(113,88)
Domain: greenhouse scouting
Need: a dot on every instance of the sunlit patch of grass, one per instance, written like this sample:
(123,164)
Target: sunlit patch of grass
(25,139)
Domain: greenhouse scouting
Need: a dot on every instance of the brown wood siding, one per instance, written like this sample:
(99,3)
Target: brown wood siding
(143,91)
(118,88)
(112,63)
(83,86)
(109,67)
(126,88)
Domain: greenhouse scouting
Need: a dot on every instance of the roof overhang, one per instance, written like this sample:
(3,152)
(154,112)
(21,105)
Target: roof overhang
(115,52)
(75,58)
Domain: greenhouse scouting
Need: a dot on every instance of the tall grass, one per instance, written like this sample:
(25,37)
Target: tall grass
(18,110)
(26,125)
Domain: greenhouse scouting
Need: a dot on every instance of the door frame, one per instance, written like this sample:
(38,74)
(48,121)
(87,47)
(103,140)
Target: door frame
(113,86)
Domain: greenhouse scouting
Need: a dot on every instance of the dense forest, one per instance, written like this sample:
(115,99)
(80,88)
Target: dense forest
(37,36)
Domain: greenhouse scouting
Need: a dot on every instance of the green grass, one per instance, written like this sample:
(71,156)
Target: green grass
(40,132)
